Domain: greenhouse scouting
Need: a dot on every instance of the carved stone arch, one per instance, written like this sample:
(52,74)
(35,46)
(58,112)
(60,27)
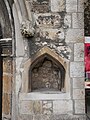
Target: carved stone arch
(29,64)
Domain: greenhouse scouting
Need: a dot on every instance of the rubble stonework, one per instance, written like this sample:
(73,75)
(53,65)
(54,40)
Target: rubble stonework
(49,54)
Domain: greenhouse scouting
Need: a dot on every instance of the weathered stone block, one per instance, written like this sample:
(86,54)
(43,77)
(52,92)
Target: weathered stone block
(75,35)
(78,83)
(7,65)
(37,107)
(26,107)
(79,94)
(57,5)
(67,20)
(6,98)
(71,5)
(77,69)
(7,80)
(62,107)
(47,107)
(79,52)
(81,5)
(26,117)
(79,106)
(78,20)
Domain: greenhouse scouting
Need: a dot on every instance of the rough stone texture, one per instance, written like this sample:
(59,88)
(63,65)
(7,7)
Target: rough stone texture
(62,107)
(77,69)
(47,107)
(37,107)
(77,20)
(6,103)
(78,83)
(79,52)
(79,106)
(26,107)
(79,94)
(69,4)
(75,35)
(7,80)
(81,5)
(57,6)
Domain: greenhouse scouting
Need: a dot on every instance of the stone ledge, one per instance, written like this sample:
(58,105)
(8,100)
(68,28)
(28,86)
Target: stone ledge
(42,96)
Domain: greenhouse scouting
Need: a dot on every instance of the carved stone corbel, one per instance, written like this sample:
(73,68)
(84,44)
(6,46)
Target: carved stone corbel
(27,29)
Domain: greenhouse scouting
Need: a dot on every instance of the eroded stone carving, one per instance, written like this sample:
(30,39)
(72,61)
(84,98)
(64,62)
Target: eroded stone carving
(27,29)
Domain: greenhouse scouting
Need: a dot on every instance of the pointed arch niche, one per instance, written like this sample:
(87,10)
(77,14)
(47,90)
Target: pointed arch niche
(45,71)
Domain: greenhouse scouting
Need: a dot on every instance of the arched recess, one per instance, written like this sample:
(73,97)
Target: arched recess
(44,52)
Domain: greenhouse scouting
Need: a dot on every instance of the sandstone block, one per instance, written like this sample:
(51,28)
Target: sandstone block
(79,52)
(71,5)
(75,35)
(78,82)
(79,94)
(81,5)
(79,106)
(37,107)
(62,107)
(77,69)
(26,107)
(57,5)
(78,20)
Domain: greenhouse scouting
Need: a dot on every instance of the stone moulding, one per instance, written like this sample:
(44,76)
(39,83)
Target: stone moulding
(26,86)
(27,29)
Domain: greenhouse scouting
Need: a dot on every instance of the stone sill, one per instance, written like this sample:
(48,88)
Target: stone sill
(44,96)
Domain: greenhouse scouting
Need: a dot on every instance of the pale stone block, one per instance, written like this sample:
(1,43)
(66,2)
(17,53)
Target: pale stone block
(71,5)
(81,5)
(79,94)
(62,107)
(37,107)
(67,20)
(57,5)
(79,52)
(78,82)
(79,106)
(26,107)
(78,20)
(26,117)
(75,35)
(77,69)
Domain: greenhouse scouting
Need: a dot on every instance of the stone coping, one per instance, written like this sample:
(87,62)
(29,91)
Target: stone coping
(44,96)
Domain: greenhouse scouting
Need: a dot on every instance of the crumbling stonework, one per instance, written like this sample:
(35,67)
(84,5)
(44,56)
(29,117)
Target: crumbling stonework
(48,53)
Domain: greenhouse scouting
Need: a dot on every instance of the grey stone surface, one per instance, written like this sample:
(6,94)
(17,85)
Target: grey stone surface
(79,52)
(79,94)
(79,106)
(62,107)
(26,107)
(67,20)
(57,5)
(78,20)
(77,69)
(25,117)
(81,5)
(75,35)
(71,5)
(78,82)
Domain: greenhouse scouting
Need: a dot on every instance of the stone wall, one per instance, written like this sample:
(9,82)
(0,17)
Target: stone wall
(58,25)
